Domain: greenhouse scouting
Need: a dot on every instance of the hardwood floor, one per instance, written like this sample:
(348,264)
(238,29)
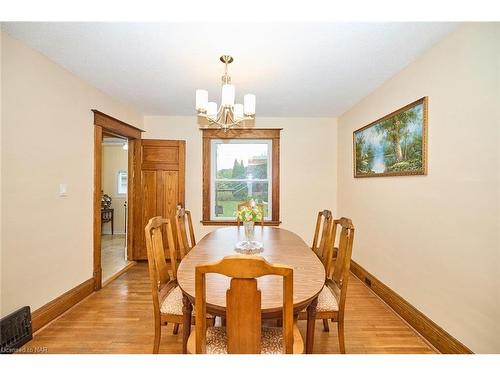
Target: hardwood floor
(119,319)
(113,254)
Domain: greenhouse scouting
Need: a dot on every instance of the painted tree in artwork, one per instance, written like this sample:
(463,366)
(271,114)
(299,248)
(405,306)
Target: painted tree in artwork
(360,143)
(364,155)
(370,156)
(395,131)
(402,140)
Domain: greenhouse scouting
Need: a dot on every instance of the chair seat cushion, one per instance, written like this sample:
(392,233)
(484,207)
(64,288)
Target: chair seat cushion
(172,304)
(327,300)
(271,340)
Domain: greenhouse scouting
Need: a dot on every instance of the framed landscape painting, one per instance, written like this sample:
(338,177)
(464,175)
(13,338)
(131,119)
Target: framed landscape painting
(394,145)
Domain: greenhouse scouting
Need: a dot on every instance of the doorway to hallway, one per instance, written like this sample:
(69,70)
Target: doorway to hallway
(114,185)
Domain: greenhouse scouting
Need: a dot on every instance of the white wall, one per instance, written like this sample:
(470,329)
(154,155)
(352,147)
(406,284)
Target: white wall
(435,239)
(308,166)
(47,139)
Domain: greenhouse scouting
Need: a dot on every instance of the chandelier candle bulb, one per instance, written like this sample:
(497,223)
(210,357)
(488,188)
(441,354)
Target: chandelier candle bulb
(227,95)
(238,111)
(201,100)
(212,109)
(249,104)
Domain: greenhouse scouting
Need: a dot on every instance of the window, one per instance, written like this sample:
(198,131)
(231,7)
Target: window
(241,170)
(122,183)
(239,165)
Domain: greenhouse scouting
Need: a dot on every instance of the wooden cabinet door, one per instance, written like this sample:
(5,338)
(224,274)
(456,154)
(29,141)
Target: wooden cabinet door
(162,173)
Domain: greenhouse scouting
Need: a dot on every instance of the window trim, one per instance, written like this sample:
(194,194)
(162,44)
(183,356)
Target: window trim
(258,134)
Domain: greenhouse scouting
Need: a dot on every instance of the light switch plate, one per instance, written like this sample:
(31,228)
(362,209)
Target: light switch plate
(63,190)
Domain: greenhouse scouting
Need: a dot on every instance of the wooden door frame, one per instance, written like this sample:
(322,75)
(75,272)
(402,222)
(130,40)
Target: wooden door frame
(104,123)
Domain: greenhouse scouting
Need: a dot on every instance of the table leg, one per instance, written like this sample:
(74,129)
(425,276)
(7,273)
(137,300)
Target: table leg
(311,323)
(187,310)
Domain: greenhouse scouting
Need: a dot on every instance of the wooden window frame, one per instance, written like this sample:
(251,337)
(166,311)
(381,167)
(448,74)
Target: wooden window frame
(234,134)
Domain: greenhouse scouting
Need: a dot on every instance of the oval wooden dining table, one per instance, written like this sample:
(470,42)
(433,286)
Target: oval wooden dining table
(280,246)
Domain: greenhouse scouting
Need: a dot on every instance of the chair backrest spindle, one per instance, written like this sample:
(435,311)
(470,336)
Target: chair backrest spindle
(184,222)
(319,230)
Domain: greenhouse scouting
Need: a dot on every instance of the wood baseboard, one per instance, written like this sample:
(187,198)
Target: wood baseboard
(437,336)
(56,307)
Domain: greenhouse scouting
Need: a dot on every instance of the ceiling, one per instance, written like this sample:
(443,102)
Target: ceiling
(295,69)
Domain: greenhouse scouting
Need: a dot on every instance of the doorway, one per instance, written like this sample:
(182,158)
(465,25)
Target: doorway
(115,213)
(114,193)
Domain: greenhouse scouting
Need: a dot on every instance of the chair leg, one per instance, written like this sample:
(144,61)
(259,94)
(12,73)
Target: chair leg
(176,329)
(340,327)
(156,344)
(326,327)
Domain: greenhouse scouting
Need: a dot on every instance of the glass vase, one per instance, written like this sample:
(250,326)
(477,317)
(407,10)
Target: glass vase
(249,230)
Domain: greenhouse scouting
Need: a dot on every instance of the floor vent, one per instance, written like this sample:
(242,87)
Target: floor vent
(15,330)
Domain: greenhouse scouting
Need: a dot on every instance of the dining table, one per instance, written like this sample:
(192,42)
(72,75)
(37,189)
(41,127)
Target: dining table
(280,246)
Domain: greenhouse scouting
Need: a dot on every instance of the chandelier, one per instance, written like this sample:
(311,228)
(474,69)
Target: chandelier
(228,114)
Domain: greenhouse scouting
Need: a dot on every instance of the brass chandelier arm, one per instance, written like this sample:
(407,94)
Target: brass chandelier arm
(222,124)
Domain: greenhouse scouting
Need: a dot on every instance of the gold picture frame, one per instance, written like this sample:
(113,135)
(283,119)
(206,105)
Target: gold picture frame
(393,145)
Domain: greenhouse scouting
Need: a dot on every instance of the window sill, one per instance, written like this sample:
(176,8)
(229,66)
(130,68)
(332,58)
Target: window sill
(226,223)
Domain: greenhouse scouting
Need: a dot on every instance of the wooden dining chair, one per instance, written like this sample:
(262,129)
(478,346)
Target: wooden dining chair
(244,333)
(323,237)
(167,296)
(250,203)
(331,300)
(184,223)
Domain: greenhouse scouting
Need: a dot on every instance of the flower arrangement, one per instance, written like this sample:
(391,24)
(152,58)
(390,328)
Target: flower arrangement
(249,214)
(105,201)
